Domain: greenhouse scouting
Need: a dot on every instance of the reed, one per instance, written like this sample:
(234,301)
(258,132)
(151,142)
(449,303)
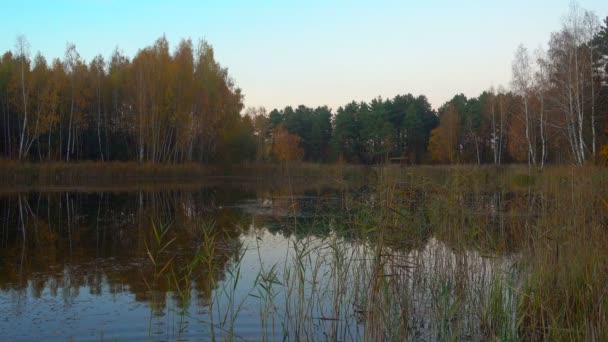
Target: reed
(435,253)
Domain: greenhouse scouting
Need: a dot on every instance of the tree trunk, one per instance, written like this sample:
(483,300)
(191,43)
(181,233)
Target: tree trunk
(99,118)
(24,109)
(531,156)
(592,104)
(494,138)
(542,131)
(67,156)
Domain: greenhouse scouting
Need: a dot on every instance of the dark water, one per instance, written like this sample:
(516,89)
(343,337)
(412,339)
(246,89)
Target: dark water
(220,262)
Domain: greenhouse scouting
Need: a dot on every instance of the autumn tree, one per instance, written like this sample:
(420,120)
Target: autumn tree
(261,130)
(179,104)
(162,106)
(22,53)
(495,105)
(443,143)
(98,79)
(41,102)
(572,82)
(285,146)
(522,84)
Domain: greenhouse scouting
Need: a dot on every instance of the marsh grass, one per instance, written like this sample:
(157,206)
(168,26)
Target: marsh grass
(432,253)
(552,225)
(102,174)
(97,173)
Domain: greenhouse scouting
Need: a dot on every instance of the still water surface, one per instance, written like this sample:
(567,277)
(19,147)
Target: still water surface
(224,262)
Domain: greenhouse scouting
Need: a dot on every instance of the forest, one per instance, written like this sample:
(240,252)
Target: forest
(164,106)
(158,107)
(144,197)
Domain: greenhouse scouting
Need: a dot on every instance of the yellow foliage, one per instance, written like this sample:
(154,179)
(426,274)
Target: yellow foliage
(443,142)
(604,153)
(286,146)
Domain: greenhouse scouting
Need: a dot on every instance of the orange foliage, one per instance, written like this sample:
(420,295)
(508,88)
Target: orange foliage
(604,153)
(286,146)
(443,142)
(516,138)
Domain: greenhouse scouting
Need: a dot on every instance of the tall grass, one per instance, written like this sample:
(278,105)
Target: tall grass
(58,174)
(433,253)
(129,176)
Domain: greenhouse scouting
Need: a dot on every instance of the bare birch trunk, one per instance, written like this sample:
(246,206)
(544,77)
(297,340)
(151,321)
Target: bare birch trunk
(542,131)
(21,141)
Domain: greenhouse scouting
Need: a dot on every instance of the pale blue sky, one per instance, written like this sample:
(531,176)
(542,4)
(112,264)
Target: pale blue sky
(310,52)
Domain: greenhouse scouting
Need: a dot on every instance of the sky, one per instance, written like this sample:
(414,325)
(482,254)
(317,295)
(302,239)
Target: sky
(310,52)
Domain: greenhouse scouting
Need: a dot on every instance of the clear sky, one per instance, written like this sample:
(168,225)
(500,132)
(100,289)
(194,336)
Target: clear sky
(310,52)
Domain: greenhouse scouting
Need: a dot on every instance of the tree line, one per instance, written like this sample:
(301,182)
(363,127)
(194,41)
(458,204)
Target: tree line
(160,106)
(373,132)
(555,110)
(172,107)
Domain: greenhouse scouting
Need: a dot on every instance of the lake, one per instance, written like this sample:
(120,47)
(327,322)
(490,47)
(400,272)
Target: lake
(241,260)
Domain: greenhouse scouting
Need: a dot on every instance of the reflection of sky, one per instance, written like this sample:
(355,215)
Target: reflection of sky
(266,236)
(86,316)
(311,52)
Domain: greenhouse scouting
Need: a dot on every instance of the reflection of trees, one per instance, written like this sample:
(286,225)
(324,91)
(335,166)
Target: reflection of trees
(495,221)
(65,242)
(408,215)
(302,214)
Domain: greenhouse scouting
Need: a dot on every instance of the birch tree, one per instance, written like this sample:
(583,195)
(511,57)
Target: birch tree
(541,88)
(591,27)
(97,76)
(568,66)
(72,58)
(522,84)
(502,109)
(22,53)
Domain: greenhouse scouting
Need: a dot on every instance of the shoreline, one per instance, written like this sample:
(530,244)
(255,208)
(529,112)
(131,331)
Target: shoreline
(132,176)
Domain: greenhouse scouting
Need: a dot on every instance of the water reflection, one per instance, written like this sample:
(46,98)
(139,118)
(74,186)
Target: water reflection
(232,262)
(60,250)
